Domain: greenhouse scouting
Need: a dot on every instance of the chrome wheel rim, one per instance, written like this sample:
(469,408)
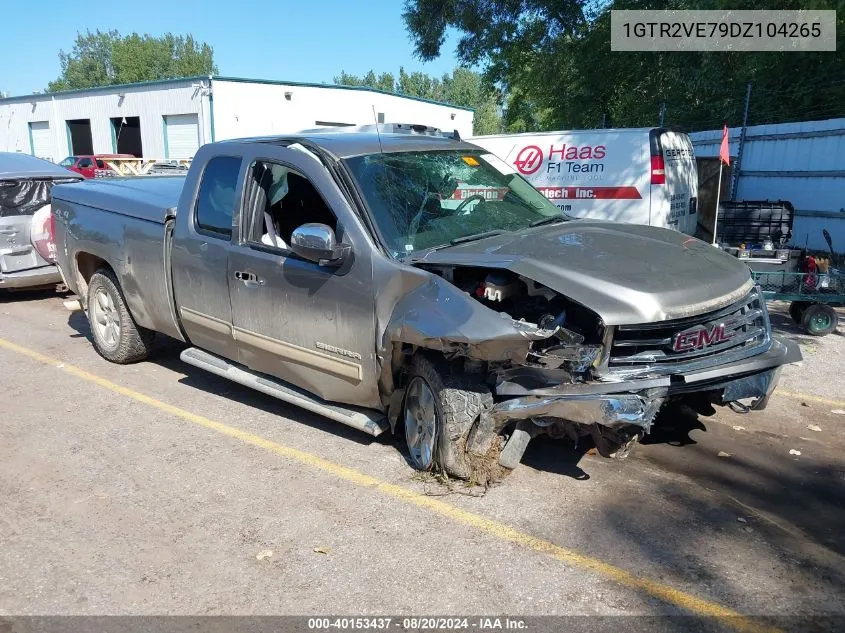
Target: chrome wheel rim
(106,319)
(420,423)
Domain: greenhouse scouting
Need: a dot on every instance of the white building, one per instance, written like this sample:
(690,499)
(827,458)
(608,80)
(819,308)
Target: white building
(172,118)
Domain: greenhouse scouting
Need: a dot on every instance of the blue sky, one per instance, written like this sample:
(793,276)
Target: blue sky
(286,39)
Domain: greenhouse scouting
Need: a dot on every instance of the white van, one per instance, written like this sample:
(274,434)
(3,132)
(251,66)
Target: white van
(636,175)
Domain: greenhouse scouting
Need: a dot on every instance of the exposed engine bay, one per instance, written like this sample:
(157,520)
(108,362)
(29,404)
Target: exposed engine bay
(574,340)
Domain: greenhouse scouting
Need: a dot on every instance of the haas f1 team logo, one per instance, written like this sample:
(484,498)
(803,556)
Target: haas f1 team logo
(528,160)
(703,336)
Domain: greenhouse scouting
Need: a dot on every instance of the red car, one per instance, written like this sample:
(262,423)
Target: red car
(91,165)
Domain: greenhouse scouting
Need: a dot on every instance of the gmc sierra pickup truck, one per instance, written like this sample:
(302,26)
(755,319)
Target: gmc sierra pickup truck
(394,279)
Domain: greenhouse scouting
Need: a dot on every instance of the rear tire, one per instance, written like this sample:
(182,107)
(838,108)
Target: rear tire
(117,337)
(820,319)
(440,410)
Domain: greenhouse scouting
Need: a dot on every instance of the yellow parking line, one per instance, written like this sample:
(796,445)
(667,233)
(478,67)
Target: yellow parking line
(810,398)
(697,606)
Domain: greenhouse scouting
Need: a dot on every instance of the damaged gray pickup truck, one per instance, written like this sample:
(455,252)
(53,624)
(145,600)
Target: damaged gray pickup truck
(402,280)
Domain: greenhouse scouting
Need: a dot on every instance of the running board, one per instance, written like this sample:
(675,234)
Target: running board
(366,420)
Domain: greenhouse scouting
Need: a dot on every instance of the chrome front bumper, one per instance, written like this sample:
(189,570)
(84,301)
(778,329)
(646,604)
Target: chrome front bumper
(616,413)
(636,402)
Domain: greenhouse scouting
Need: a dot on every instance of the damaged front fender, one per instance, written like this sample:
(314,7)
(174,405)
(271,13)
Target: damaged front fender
(438,316)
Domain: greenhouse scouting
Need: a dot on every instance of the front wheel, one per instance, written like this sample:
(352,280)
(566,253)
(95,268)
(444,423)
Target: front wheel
(440,410)
(820,319)
(117,337)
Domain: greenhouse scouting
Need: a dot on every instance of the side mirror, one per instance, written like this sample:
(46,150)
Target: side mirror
(317,243)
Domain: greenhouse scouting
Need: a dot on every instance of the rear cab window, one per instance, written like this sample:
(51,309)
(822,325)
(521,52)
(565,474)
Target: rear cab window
(215,203)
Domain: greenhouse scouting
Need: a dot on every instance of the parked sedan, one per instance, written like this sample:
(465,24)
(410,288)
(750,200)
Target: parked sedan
(27,256)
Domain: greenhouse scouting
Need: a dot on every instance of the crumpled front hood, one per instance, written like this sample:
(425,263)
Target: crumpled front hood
(626,273)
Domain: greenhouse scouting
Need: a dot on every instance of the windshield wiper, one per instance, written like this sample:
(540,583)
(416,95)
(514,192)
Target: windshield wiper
(476,236)
(421,254)
(549,220)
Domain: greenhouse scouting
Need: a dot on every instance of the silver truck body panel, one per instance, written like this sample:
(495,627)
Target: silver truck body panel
(147,198)
(133,247)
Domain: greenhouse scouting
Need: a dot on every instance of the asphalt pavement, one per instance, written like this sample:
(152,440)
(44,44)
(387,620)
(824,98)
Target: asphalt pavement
(156,488)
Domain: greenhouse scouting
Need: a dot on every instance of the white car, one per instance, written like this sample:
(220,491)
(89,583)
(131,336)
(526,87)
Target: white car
(26,183)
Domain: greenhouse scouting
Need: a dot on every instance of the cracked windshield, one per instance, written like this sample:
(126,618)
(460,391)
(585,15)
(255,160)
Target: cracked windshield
(421,200)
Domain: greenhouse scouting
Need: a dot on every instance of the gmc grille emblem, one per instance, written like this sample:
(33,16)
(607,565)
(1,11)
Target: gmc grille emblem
(701,336)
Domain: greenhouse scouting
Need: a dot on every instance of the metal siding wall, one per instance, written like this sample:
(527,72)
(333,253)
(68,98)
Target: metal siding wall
(149,103)
(255,109)
(818,200)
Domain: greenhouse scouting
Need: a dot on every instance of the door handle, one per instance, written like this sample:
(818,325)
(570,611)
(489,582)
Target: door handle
(249,279)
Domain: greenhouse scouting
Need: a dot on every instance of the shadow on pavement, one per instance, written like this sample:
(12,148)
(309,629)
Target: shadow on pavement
(31,294)
(166,354)
(558,456)
(756,497)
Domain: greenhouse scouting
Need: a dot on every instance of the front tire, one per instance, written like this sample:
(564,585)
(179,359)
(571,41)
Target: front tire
(440,410)
(117,337)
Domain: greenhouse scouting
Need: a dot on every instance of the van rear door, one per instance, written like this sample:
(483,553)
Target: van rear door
(674,192)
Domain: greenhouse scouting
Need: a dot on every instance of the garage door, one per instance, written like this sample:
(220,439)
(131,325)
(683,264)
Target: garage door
(42,142)
(181,135)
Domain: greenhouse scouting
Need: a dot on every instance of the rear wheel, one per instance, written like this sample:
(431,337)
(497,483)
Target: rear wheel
(820,319)
(440,410)
(117,337)
(796,310)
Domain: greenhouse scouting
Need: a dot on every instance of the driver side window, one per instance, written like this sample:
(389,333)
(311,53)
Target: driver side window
(281,200)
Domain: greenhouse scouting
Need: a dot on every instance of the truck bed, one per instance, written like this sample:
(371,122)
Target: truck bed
(121,221)
(148,198)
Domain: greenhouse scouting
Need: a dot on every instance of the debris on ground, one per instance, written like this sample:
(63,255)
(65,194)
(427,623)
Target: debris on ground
(838,411)
(814,427)
(723,454)
(321,550)
(804,404)
(265,554)
(792,451)
(741,520)
(739,428)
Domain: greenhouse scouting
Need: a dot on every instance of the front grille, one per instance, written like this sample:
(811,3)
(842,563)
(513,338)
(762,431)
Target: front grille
(699,341)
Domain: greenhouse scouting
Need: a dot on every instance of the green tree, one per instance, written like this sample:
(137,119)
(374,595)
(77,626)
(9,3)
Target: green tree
(108,58)
(463,87)
(551,61)
(384,82)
